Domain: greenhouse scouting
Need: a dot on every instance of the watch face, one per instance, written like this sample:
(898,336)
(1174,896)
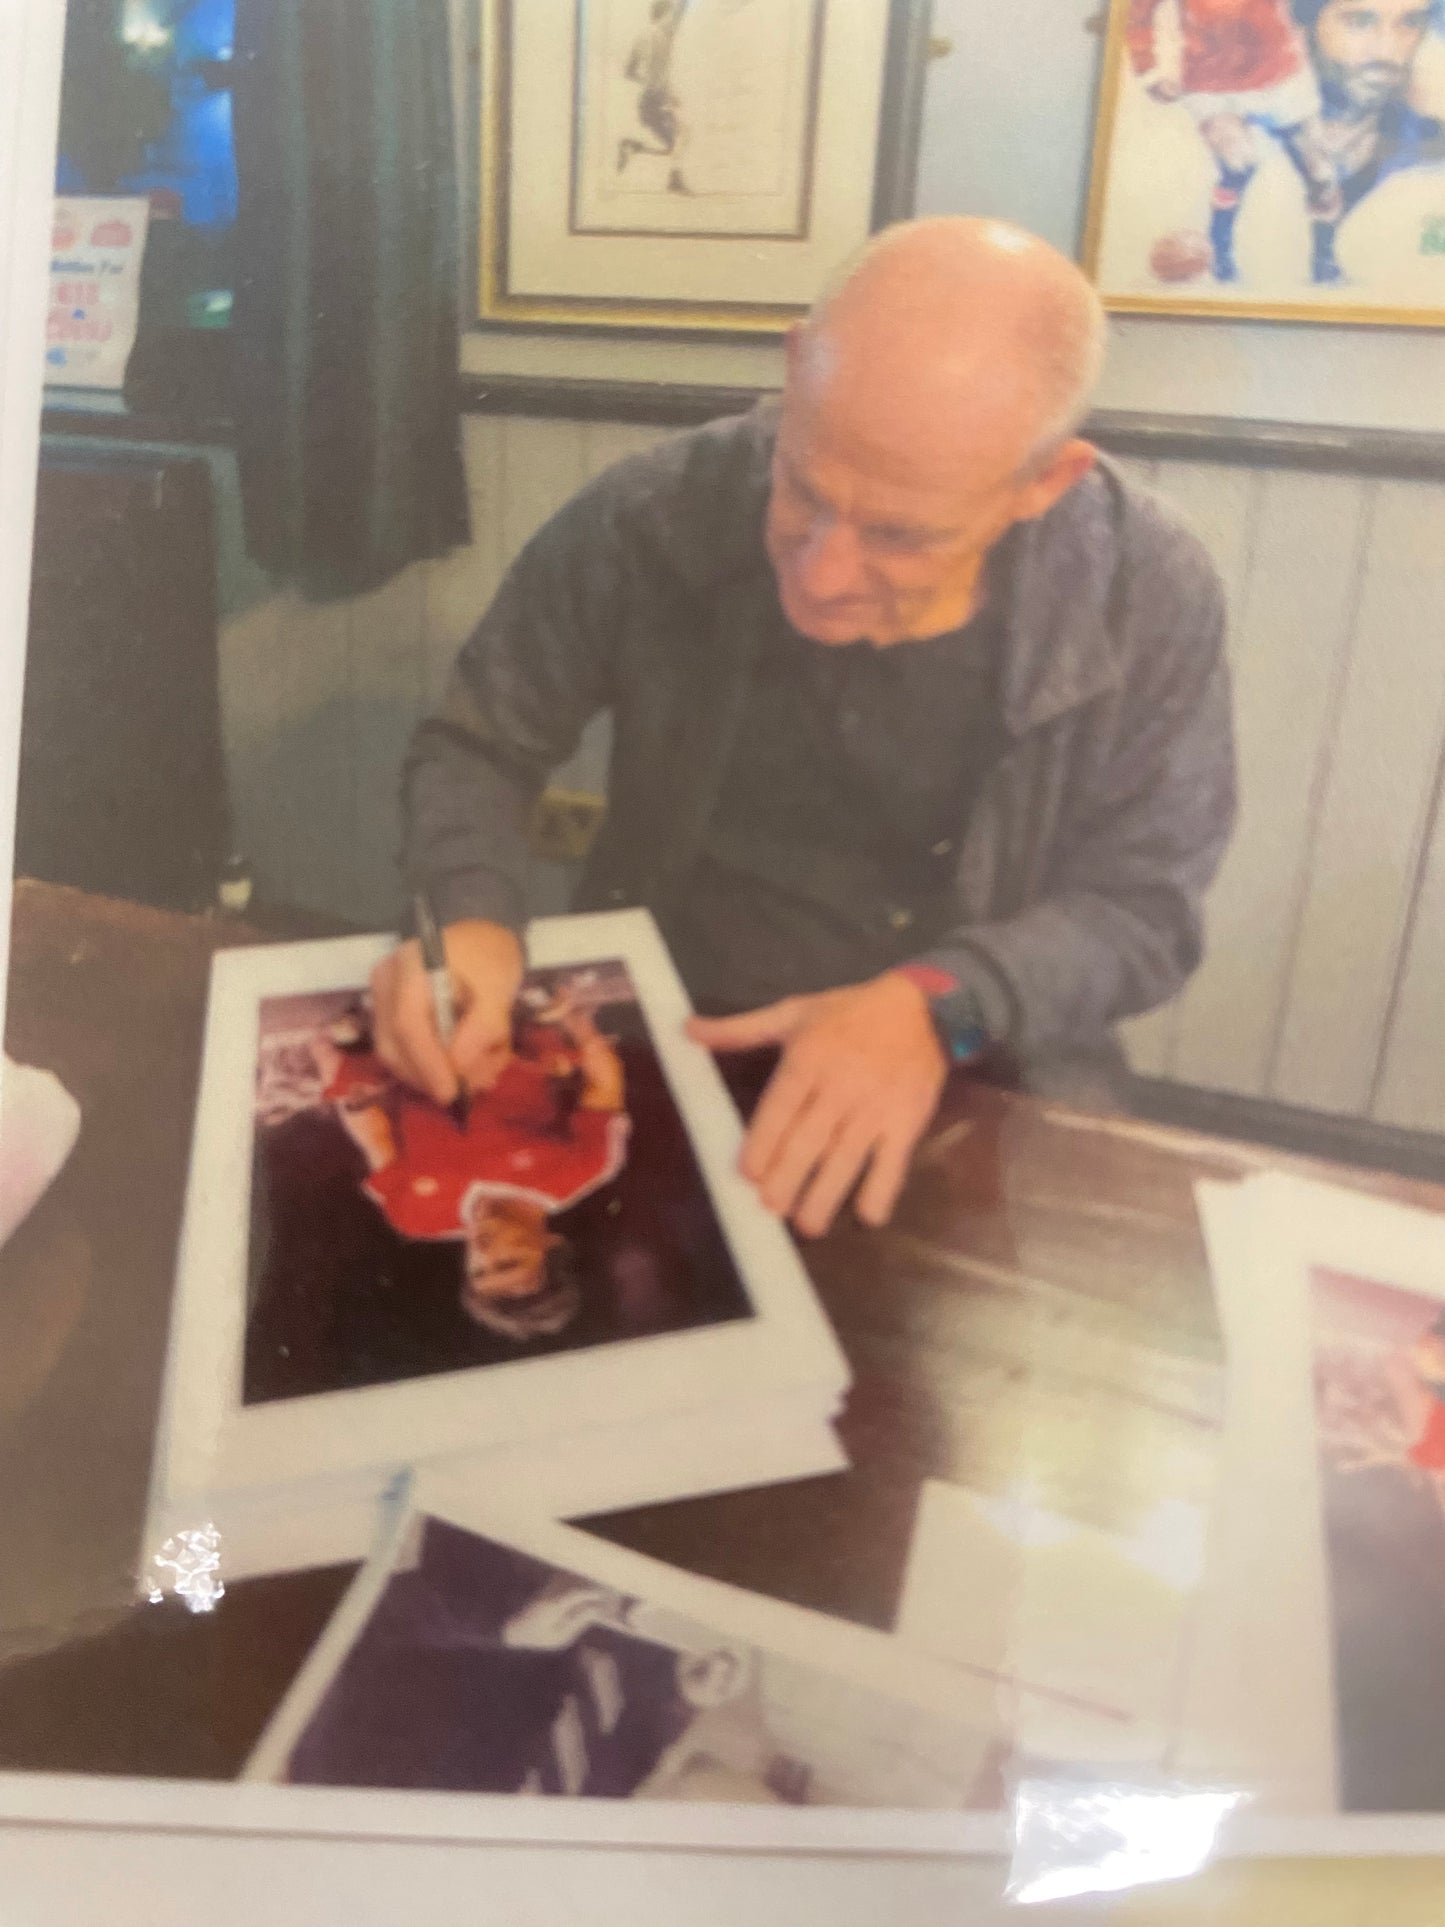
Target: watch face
(956,1018)
(966,1043)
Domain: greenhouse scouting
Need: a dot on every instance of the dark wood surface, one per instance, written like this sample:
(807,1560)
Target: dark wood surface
(1040,1311)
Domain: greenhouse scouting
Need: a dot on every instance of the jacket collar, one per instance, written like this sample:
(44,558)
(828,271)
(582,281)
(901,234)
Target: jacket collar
(1058,650)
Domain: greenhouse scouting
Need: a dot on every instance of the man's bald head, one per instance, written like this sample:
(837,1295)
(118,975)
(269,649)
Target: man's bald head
(930,403)
(955,323)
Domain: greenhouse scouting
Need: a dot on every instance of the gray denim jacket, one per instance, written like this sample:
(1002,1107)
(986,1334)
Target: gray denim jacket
(1084,859)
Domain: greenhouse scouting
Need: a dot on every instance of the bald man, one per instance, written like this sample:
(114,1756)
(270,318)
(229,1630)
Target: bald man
(921,736)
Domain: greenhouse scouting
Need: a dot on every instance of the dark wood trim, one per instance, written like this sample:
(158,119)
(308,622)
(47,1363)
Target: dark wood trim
(1264,444)
(136,425)
(666,404)
(1190,438)
(1288,1127)
(1194,438)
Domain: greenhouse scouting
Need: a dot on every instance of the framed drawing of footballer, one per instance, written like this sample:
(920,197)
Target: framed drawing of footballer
(1272,159)
(696,165)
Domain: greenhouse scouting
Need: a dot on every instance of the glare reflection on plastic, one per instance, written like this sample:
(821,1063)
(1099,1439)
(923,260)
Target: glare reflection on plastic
(189,1566)
(1073,1838)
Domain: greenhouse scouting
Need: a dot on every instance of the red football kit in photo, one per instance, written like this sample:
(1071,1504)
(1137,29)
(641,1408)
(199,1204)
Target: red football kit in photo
(1230,46)
(518,1142)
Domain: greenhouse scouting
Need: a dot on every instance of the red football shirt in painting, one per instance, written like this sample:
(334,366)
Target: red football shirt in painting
(1230,46)
(519,1141)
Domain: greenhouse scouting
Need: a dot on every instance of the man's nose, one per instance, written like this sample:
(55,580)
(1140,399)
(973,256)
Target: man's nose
(829,563)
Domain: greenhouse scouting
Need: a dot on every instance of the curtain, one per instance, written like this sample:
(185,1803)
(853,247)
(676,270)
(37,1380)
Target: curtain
(347,285)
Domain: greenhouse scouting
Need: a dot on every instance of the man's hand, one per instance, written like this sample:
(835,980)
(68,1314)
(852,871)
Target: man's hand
(1165,89)
(860,1077)
(485,961)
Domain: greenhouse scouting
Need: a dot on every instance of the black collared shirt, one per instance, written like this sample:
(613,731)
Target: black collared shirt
(834,840)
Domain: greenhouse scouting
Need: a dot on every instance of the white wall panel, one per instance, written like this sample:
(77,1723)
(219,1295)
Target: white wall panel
(1148,1040)
(308,854)
(388,690)
(1411,1088)
(1291,625)
(1374,812)
(542,465)
(1217,503)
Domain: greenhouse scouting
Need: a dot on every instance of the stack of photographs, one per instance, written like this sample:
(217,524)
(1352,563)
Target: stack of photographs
(564,1291)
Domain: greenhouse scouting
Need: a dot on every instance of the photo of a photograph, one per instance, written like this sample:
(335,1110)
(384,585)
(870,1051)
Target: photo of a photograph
(561,1279)
(696,116)
(391,1238)
(529,1665)
(1379,1377)
(1273,157)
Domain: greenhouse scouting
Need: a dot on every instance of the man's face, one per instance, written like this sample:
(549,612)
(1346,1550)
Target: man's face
(506,1253)
(866,551)
(1365,49)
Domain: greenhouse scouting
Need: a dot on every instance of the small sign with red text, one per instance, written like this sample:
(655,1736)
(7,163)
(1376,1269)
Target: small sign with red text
(95,262)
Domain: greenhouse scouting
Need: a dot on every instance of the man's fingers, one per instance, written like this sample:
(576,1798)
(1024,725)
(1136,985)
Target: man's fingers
(774,1024)
(879,1191)
(836,1176)
(802,1148)
(789,1090)
(406,1034)
(481,1045)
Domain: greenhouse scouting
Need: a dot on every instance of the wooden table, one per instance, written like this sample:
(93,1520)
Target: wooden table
(1040,1308)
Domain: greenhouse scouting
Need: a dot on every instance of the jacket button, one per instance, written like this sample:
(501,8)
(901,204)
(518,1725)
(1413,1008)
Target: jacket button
(943,847)
(901,919)
(617,896)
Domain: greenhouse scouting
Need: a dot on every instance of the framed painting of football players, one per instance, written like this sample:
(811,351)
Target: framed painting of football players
(1272,159)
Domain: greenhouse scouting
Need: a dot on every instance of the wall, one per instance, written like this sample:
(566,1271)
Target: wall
(1008,131)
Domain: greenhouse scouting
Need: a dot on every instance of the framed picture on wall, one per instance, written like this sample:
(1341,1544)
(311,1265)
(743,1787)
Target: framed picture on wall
(696,165)
(1278,159)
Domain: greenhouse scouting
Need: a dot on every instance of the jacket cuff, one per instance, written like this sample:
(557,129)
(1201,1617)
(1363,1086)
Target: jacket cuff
(970,1001)
(482,895)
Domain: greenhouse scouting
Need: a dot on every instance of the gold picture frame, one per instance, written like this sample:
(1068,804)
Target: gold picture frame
(664,165)
(1163,193)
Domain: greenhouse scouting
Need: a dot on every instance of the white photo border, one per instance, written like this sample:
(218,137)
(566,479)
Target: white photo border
(1270,1660)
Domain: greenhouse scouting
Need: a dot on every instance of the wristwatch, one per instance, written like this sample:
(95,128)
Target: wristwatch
(954,1008)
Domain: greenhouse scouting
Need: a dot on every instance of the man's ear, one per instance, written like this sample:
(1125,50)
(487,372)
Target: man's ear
(1063,471)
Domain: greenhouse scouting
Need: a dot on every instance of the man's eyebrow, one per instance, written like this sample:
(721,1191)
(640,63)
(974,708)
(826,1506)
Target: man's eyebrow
(914,531)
